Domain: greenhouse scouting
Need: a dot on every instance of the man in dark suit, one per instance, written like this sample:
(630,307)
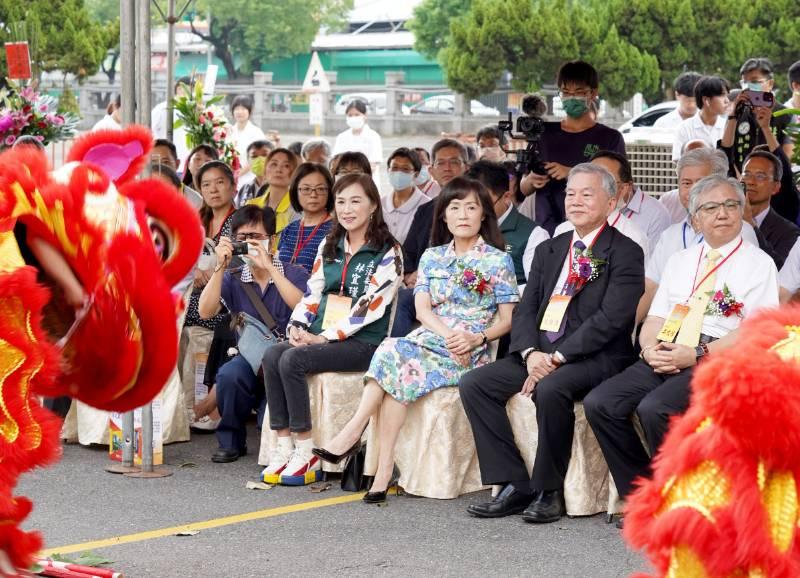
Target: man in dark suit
(571,331)
(761,177)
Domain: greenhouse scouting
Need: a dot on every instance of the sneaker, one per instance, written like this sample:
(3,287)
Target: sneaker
(278,458)
(303,468)
(205,425)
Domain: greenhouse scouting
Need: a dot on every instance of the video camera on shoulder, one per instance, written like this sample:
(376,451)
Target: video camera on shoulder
(530,127)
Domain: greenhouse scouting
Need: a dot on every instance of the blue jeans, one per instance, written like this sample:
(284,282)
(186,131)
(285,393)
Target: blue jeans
(239,392)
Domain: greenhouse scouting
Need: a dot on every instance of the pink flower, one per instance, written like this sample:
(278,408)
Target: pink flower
(58,120)
(27,93)
(202,119)
(43,108)
(718,296)
(10,140)
(410,372)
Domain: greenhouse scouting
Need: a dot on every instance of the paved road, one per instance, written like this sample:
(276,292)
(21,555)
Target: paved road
(77,502)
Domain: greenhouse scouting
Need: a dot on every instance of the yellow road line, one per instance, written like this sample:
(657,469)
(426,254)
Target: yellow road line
(206,525)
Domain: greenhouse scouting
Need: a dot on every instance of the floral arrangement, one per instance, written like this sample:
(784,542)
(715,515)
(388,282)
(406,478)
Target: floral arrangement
(25,112)
(205,123)
(474,280)
(585,269)
(724,304)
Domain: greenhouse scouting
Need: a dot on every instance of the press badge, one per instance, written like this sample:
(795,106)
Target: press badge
(337,308)
(673,323)
(554,314)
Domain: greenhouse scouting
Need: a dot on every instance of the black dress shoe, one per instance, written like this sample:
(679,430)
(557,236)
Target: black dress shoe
(331,458)
(547,507)
(620,524)
(509,501)
(225,456)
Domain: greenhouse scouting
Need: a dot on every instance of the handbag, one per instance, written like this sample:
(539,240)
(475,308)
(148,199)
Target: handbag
(255,335)
(353,478)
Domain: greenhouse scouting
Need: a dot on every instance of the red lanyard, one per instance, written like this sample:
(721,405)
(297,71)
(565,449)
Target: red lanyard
(707,275)
(301,243)
(347,258)
(571,250)
(619,214)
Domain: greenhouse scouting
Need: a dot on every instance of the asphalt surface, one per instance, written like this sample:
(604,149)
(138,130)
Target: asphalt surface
(76,501)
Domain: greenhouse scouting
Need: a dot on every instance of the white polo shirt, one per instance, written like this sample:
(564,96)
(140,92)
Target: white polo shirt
(671,120)
(790,272)
(672,203)
(367,141)
(648,214)
(749,273)
(622,224)
(398,219)
(694,128)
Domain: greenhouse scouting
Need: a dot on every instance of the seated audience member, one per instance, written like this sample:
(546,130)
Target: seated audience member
(311,198)
(279,286)
(711,96)
(456,313)
(281,164)
(521,235)
(164,153)
(351,162)
(400,206)
(167,174)
(671,199)
(254,187)
(337,326)
(786,202)
(426,183)
(789,276)
(490,144)
(641,209)
(571,331)
(683,87)
(198,156)
(316,150)
(692,167)
(706,291)
(449,162)
(762,176)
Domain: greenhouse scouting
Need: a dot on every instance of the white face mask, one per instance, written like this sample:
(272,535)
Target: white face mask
(423,177)
(356,122)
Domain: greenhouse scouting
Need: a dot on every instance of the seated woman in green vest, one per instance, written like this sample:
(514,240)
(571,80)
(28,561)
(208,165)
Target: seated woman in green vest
(463,279)
(336,327)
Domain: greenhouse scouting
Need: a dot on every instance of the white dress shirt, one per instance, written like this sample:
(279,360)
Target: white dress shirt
(672,203)
(671,120)
(694,128)
(622,224)
(158,124)
(398,219)
(367,142)
(538,235)
(678,237)
(648,214)
(749,274)
(790,272)
(242,139)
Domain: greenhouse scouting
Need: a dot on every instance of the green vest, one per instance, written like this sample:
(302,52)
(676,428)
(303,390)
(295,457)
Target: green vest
(516,229)
(360,269)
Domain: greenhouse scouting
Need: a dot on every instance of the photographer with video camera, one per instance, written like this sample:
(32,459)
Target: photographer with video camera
(571,141)
(753,124)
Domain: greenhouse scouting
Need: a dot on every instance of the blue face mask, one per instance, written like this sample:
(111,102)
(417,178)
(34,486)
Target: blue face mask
(423,177)
(400,180)
(754,86)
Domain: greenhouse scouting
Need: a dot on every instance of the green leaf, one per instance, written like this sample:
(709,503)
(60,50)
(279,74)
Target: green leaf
(84,559)
(178,123)
(787,111)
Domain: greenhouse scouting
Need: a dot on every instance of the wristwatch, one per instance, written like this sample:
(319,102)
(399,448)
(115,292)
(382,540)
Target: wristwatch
(701,350)
(558,359)
(485,339)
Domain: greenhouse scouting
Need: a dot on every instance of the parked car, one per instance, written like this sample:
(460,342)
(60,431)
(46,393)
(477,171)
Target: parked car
(640,128)
(446,104)
(376,102)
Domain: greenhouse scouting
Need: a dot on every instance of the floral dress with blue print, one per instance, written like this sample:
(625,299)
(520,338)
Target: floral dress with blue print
(412,366)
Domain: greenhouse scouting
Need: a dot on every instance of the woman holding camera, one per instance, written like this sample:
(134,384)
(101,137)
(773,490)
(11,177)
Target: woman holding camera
(336,327)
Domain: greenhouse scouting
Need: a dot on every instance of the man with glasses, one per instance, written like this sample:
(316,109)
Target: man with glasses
(569,142)
(279,286)
(707,290)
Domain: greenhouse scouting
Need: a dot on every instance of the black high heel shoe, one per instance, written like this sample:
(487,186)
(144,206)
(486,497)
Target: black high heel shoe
(380,497)
(327,456)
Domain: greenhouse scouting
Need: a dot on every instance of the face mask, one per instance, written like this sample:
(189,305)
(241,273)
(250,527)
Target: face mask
(356,122)
(400,180)
(257,165)
(575,106)
(423,177)
(754,86)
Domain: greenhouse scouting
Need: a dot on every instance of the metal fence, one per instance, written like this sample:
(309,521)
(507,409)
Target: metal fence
(652,166)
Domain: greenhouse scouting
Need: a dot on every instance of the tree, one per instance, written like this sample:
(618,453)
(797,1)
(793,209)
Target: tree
(246,34)
(431,24)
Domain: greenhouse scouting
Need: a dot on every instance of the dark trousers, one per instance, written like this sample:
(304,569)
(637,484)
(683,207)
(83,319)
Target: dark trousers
(239,392)
(58,405)
(405,315)
(654,397)
(285,369)
(485,392)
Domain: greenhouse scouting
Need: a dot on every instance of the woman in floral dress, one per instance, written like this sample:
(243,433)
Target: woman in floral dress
(464,279)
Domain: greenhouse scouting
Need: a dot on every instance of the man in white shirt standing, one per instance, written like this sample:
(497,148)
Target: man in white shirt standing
(711,96)
(707,290)
(683,87)
(400,206)
(158,121)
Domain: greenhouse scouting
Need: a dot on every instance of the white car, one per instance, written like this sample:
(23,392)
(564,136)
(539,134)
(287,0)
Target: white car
(375,101)
(446,104)
(640,127)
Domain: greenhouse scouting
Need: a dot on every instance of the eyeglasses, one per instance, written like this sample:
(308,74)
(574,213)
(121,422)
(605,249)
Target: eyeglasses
(712,207)
(250,236)
(308,191)
(441,163)
(758,177)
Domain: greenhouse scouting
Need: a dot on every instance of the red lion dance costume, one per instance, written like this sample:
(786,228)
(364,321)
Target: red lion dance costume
(723,500)
(119,355)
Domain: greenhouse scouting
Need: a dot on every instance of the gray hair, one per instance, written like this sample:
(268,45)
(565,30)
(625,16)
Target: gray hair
(609,183)
(705,184)
(314,144)
(714,158)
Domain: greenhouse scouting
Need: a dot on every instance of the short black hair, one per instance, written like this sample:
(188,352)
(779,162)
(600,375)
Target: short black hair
(794,73)
(684,83)
(449,143)
(491,131)
(357,104)
(242,100)
(406,153)
(423,151)
(253,215)
(162,142)
(494,176)
(709,87)
(356,158)
(302,172)
(198,178)
(625,172)
(260,144)
(761,64)
(183,80)
(296,147)
(167,171)
(777,166)
(579,72)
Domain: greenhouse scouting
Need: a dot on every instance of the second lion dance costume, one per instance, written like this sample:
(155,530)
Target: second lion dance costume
(128,242)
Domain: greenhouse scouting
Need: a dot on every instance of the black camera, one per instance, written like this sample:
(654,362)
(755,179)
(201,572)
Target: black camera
(530,127)
(240,247)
